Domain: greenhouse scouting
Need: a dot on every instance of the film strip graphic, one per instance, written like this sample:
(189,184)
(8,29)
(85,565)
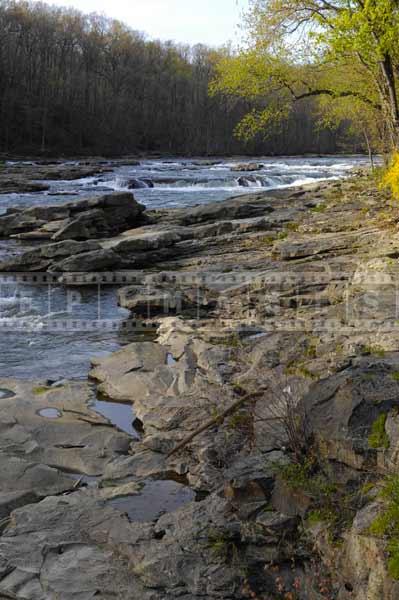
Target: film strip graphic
(170,281)
(42,325)
(120,278)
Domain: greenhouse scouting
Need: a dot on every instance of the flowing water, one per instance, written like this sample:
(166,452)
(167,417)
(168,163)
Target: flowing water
(186,182)
(28,349)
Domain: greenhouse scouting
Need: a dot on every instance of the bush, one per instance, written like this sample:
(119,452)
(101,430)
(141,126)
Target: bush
(390,178)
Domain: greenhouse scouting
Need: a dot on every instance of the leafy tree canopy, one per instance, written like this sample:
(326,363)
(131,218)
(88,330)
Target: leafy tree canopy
(342,53)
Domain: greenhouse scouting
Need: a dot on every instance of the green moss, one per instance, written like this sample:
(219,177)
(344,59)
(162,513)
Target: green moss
(297,475)
(291,226)
(379,438)
(304,476)
(294,368)
(367,488)
(387,523)
(318,209)
(304,372)
(311,350)
(283,235)
(395,376)
(268,240)
(375,350)
(393,561)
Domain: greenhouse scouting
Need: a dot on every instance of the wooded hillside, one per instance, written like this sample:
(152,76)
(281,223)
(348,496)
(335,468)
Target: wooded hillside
(79,84)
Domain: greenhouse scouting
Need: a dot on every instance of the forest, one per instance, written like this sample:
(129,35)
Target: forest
(84,84)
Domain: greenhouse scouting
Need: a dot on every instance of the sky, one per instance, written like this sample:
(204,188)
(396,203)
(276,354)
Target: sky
(212,22)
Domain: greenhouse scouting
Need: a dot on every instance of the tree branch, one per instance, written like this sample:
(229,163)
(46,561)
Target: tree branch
(334,94)
(216,420)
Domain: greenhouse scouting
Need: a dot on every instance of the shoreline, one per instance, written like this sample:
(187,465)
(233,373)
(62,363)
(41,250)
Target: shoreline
(59,157)
(294,294)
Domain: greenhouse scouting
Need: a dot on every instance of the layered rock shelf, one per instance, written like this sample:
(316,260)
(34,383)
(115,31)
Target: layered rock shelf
(285,301)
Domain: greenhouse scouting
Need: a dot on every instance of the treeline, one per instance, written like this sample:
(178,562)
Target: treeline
(80,84)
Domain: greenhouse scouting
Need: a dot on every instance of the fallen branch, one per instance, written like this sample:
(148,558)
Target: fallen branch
(216,420)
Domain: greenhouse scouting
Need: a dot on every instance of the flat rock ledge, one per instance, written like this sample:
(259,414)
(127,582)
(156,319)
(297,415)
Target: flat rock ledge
(280,512)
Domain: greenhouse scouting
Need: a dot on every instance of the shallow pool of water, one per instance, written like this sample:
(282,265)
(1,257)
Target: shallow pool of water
(50,413)
(6,394)
(155,499)
(119,414)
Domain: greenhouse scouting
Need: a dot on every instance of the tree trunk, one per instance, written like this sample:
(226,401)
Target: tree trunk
(369,149)
(392,99)
(44,129)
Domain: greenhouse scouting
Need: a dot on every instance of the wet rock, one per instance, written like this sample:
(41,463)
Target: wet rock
(137,184)
(247,167)
(205,163)
(24,178)
(249,180)
(16,186)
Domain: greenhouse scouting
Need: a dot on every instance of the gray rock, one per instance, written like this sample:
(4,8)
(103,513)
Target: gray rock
(143,242)
(67,248)
(91,218)
(342,409)
(96,260)
(235,208)
(243,167)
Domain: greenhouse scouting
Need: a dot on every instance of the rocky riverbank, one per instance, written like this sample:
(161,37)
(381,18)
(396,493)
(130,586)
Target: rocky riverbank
(283,304)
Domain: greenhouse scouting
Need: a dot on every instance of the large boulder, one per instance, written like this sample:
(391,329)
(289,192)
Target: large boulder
(342,409)
(102,216)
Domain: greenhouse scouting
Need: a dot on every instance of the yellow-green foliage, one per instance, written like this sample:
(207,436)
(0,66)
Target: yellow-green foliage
(304,477)
(379,438)
(387,523)
(390,177)
(41,389)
